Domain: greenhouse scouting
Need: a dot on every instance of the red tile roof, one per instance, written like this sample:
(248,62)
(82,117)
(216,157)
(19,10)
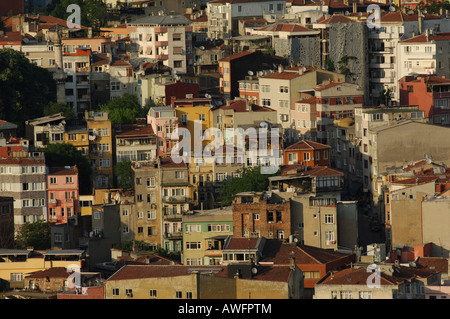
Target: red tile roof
(358,276)
(236,56)
(272,273)
(301,170)
(309,100)
(280,253)
(307,145)
(156,271)
(167,162)
(334,19)
(20,161)
(11,38)
(238,243)
(136,131)
(285,27)
(55,272)
(322,86)
(241,106)
(70,170)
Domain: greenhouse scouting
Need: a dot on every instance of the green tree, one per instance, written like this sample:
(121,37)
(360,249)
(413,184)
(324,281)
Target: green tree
(25,88)
(385,97)
(124,172)
(250,179)
(54,107)
(35,234)
(57,155)
(344,67)
(93,12)
(329,65)
(124,109)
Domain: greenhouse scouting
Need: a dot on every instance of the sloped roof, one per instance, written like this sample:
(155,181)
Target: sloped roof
(241,106)
(358,276)
(237,243)
(136,131)
(54,272)
(68,170)
(307,145)
(166,20)
(285,27)
(280,253)
(236,56)
(154,271)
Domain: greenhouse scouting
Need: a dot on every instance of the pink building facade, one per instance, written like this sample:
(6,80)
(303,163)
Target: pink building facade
(164,121)
(62,193)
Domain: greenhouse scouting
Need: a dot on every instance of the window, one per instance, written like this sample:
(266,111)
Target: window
(284,89)
(125,212)
(52,180)
(193,245)
(104,162)
(151,214)
(177,64)
(329,237)
(266,102)
(115,292)
(103,147)
(218,227)
(125,230)
(179,175)
(365,295)
(103,131)
(329,219)
(153,293)
(311,274)
(193,261)
(151,182)
(129,292)
(58,238)
(16,276)
(202,117)
(265,88)
(115,86)
(193,228)
(178,295)
(140,214)
(69,180)
(177,37)
(188,295)
(346,294)
(255,216)
(97,214)
(306,156)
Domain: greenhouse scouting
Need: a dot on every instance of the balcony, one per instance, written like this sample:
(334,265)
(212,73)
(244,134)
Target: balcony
(53,202)
(161,43)
(172,216)
(175,199)
(174,236)
(162,56)
(160,29)
(213,253)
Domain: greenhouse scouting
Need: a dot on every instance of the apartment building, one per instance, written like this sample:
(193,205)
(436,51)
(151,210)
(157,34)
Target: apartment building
(164,121)
(45,130)
(17,263)
(307,153)
(334,101)
(6,222)
(224,15)
(368,121)
(175,202)
(23,177)
(259,215)
(167,38)
(204,235)
(135,143)
(281,90)
(430,93)
(304,119)
(100,148)
(144,219)
(62,193)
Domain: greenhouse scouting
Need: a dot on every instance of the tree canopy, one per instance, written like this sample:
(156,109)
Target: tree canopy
(123,172)
(250,179)
(124,109)
(35,234)
(57,155)
(54,107)
(25,88)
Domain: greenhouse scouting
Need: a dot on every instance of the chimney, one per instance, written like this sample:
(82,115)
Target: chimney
(89,33)
(292,263)
(355,7)
(280,68)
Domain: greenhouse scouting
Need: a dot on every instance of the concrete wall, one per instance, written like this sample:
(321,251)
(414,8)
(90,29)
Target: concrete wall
(347,220)
(436,226)
(350,39)
(414,140)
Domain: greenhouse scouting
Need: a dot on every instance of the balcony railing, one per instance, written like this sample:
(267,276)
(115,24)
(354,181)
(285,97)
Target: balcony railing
(179,199)
(174,235)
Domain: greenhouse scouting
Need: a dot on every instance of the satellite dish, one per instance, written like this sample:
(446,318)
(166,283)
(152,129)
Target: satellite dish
(250,72)
(202,48)
(260,73)
(254,270)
